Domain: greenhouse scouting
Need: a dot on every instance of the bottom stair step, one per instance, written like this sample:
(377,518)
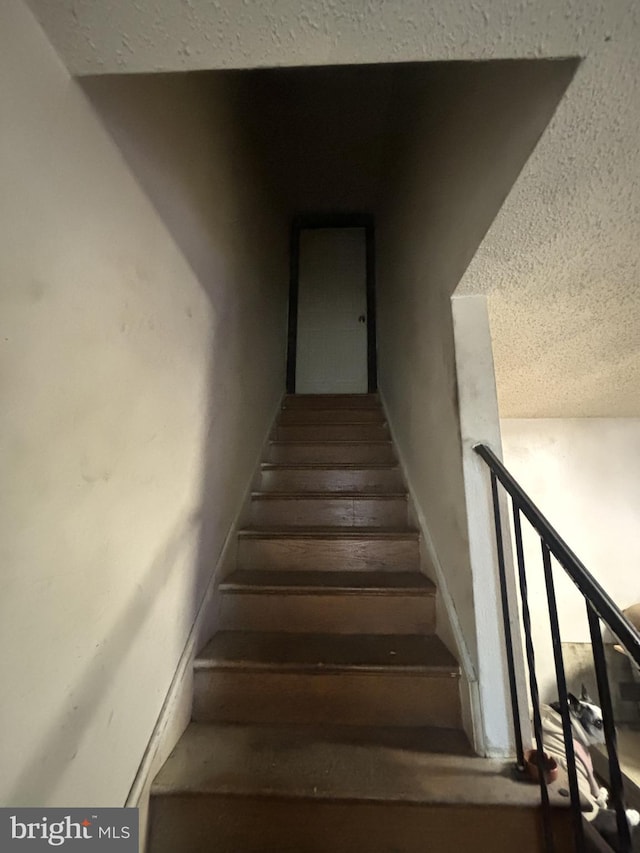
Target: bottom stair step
(271,677)
(245,789)
(335,762)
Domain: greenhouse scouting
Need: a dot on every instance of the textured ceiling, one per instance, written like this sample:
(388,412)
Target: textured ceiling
(561,263)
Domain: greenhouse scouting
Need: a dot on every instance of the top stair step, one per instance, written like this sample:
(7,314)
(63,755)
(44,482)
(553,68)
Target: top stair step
(340,415)
(331,401)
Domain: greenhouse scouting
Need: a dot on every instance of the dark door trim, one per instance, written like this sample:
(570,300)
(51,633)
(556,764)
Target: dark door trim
(337,220)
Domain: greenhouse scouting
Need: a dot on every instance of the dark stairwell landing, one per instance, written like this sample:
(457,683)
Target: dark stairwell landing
(326,711)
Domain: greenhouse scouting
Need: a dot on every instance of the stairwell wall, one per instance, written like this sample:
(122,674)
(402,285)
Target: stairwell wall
(142,330)
(462,150)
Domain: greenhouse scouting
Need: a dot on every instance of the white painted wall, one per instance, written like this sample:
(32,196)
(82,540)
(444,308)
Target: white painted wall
(479,423)
(584,475)
(463,149)
(126,365)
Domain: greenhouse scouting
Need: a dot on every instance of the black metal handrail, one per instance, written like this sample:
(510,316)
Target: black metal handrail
(599,607)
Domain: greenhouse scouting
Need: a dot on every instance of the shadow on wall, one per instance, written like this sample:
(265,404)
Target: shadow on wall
(137,397)
(460,144)
(185,143)
(190,142)
(54,753)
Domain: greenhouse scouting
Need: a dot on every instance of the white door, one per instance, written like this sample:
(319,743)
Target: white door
(331,353)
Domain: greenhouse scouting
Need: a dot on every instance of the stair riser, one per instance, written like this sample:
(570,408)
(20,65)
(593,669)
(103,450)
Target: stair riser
(331,432)
(343,698)
(292,417)
(359,613)
(331,401)
(334,512)
(329,554)
(252,824)
(331,480)
(331,453)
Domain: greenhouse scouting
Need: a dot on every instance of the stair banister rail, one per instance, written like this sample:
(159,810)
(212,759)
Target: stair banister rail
(600,608)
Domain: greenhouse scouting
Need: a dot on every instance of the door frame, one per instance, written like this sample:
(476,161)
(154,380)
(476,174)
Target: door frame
(308,221)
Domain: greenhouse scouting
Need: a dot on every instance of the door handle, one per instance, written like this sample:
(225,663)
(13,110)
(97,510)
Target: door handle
(362,319)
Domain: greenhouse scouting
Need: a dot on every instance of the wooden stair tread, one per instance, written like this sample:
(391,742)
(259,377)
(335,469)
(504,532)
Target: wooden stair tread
(322,423)
(378,764)
(385,442)
(293,401)
(336,414)
(332,406)
(328,495)
(328,652)
(309,582)
(327,582)
(329,466)
(379,428)
(358,533)
(332,395)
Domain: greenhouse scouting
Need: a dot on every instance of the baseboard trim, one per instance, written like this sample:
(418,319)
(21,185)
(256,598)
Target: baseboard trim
(175,712)
(464,656)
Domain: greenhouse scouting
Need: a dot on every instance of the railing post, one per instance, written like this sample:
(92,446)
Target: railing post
(533,681)
(615,776)
(563,696)
(506,620)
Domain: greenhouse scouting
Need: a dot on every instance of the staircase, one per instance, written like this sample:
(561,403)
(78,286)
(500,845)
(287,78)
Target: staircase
(326,710)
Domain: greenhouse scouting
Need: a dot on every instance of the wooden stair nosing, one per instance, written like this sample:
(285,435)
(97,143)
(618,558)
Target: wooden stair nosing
(352,432)
(351,751)
(332,401)
(323,424)
(423,671)
(360,414)
(254,823)
(260,581)
(326,654)
(383,442)
(331,452)
(328,553)
(303,396)
(325,609)
(352,763)
(319,533)
(373,412)
(328,495)
(354,412)
(329,466)
(317,478)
